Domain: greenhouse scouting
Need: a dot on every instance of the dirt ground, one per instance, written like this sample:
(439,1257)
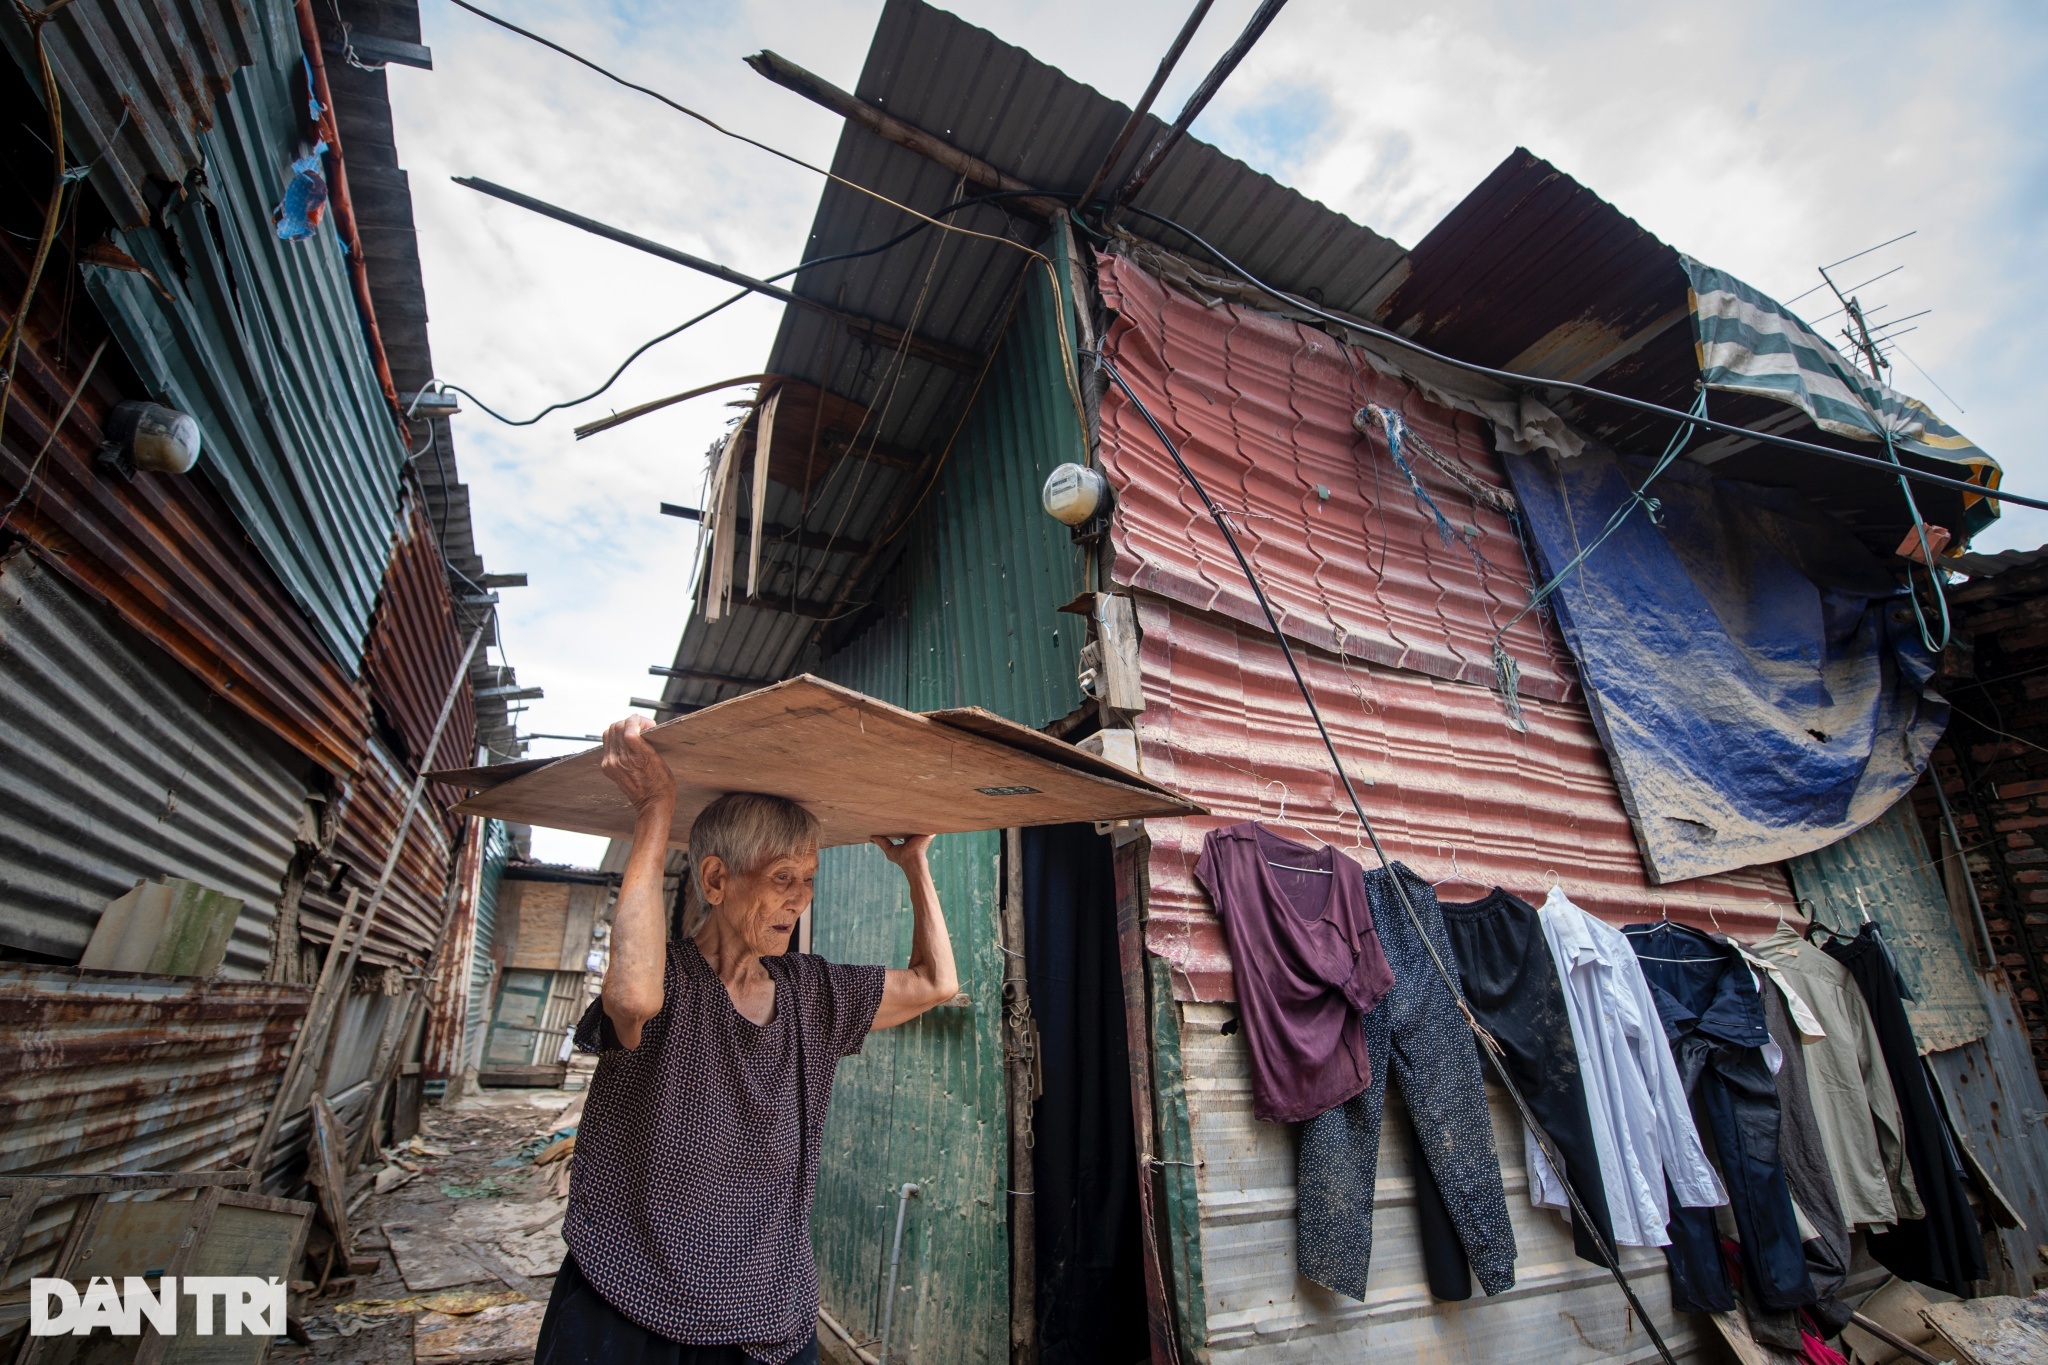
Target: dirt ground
(466,1249)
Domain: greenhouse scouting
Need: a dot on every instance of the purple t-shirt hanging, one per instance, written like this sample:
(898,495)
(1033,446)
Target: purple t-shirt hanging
(1307,962)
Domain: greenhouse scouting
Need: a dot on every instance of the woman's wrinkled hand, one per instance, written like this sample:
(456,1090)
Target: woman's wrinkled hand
(904,850)
(634,767)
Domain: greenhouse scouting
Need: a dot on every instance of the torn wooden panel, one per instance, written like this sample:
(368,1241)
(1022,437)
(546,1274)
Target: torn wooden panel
(863,766)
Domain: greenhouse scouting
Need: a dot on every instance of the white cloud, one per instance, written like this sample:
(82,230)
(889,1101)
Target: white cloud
(1763,139)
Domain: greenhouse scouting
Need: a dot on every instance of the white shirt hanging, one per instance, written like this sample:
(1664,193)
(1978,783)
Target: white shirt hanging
(1642,1124)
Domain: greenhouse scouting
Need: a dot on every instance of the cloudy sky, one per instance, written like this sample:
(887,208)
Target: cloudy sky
(1764,139)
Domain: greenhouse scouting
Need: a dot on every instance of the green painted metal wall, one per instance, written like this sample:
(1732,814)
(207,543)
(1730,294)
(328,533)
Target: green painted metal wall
(971,618)
(259,340)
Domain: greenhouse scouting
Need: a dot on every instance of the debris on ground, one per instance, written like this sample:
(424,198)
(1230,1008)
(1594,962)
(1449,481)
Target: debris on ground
(454,1303)
(463,1252)
(505,1333)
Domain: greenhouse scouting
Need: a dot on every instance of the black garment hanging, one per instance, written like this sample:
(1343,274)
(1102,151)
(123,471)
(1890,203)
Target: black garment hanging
(1807,1173)
(1943,1249)
(1511,983)
(1417,1039)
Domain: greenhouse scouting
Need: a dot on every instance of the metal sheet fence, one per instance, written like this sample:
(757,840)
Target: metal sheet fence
(104,1071)
(121,767)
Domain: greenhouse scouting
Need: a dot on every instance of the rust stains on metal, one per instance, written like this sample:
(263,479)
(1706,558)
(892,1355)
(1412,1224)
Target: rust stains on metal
(1224,725)
(1262,410)
(415,647)
(405,928)
(139,84)
(161,549)
(109,1071)
(448,997)
(1399,624)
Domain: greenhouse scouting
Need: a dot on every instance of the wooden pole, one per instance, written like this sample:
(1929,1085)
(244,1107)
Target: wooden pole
(1021,1074)
(354,951)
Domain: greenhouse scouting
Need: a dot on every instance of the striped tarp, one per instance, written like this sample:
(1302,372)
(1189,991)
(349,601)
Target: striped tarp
(1748,343)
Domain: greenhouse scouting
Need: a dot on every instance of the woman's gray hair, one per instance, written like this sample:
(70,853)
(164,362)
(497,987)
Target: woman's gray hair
(746,831)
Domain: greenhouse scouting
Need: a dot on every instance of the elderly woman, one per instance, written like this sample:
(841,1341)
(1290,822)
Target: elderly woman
(690,1208)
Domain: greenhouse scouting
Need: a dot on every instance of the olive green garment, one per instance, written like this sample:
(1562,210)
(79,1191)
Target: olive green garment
(1851,1092)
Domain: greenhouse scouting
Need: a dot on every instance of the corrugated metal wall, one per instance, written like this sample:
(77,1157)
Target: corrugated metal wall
(1399,628)
(139,83)
(971,620)
(260,342)
(410,918)
(1885,869)
(121,767)
(119,1072)
(415,651)
(482,967)
(448,1001)
(165,551)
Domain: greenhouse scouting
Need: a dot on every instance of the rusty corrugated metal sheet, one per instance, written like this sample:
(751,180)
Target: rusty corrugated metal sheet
(1262,409)
(448,1001)
(120,767)
(1225,726)
(103,1071)
(164,550)
(1534,272)
(415,649)
(405,927)
(139,83)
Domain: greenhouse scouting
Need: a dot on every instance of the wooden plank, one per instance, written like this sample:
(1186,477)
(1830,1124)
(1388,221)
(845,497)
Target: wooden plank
(863,766)
(183,1259)
(1995,1331)
(1130,942)
(1005,731)
(62,1186)
(329,1177)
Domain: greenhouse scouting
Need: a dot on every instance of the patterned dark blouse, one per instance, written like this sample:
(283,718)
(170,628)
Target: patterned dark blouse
(697,1155)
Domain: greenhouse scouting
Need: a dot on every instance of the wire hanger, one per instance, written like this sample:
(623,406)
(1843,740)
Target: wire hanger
(1457,873)
(1282,820)
(1663,925)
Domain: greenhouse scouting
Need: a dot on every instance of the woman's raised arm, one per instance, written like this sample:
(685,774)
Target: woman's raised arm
(931,978)
(633,979)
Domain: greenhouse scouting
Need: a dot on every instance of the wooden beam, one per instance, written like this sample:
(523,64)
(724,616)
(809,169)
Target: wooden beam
(776,531)
(705,675)
(885,125)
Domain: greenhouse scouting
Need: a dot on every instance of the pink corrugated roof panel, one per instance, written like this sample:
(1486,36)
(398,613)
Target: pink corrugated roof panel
(1262,410)
(1451,790)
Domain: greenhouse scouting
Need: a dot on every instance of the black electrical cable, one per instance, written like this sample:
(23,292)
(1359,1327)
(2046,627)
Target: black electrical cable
(1489,1046)
(1642,405)
(681,327)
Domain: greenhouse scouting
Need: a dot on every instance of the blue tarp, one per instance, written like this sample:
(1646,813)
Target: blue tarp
(1754,671)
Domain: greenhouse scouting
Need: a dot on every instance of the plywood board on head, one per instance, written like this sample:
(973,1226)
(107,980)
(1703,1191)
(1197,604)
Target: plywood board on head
(862,766)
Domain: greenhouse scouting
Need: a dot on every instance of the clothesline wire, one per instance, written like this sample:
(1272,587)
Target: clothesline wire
(1489,1044)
